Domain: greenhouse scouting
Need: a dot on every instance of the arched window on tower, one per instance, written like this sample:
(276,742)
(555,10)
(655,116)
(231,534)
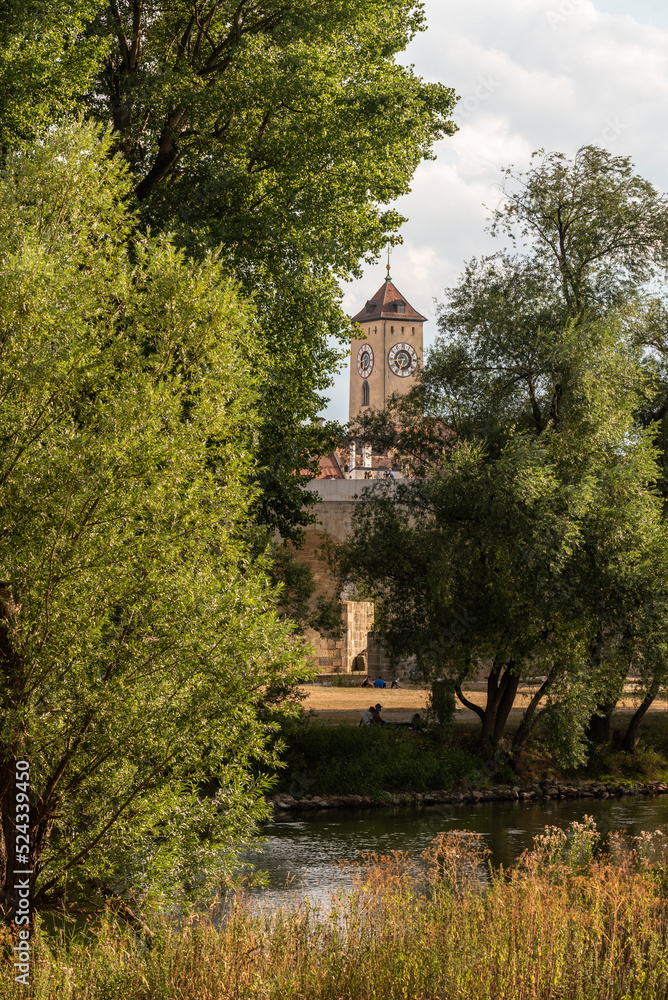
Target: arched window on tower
(365,393)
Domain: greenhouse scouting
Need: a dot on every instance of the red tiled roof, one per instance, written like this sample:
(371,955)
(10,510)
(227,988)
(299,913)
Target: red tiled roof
(330,468)
(384,304)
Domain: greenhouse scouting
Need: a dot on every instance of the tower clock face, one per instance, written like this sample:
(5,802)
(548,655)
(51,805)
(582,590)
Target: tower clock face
(365,360)
(403,360)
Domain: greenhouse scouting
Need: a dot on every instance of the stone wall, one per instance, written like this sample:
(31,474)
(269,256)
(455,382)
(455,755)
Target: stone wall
(380,665)
(342,656)
(358,617)
(338,500)
(313,554)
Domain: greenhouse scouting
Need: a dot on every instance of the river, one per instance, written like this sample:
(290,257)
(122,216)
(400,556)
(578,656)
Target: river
(300,854)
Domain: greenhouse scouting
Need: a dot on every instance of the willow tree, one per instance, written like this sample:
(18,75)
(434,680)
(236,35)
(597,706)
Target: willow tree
(547,348)
(139,646)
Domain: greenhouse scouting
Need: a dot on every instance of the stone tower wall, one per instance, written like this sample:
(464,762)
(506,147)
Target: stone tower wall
(382,335)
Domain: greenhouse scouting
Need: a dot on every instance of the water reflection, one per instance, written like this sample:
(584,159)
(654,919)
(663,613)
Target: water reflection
(301,855)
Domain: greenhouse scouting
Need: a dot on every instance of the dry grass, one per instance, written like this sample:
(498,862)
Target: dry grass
(562,925)
(346,704)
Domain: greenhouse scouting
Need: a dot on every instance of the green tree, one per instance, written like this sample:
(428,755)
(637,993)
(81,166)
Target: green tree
(47,61)
(139,646)
(535,563)
(277,132)
(599,228)
(547,347)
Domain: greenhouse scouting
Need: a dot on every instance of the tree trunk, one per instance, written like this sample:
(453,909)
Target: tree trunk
(599,728)
(167,156)
(508,691)
(631,736)
(526,725)
(502,685)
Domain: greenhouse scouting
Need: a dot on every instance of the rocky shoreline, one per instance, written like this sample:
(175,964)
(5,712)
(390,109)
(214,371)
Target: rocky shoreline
(543,791)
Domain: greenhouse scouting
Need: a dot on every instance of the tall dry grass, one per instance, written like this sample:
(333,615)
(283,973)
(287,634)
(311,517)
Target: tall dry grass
(565,922)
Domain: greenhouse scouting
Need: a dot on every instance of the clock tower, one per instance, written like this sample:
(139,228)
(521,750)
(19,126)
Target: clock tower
(386,349)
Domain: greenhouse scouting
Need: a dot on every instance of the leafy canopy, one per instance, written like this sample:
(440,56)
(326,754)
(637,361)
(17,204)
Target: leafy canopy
(139,648)
(537,534)
(278,132)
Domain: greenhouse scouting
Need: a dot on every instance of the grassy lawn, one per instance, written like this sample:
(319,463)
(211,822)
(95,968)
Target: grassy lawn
(329,754)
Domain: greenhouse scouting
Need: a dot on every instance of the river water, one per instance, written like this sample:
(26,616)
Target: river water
(300,854)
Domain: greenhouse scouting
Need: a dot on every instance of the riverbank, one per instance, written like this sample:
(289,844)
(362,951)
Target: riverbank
(548,791)
(341,765)
(563,922)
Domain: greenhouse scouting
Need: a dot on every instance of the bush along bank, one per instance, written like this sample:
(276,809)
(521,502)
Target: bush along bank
(351,767)
(501,793)
(372,761)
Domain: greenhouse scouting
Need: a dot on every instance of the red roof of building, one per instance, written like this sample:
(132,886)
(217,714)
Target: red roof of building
(384,305)
(330,468)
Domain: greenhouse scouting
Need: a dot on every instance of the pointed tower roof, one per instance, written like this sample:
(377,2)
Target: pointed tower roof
(386,304)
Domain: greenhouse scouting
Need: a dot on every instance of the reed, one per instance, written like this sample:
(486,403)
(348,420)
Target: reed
(565,923)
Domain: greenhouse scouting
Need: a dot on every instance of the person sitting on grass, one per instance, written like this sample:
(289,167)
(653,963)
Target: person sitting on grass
(376,715)
(394,684)
(367,716)
(416,721)
(379,683)
(367,682)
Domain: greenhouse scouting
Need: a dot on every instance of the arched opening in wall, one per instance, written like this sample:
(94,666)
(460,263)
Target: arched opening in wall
(365,393)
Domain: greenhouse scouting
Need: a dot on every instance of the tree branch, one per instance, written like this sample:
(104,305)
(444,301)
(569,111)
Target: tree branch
(480,712)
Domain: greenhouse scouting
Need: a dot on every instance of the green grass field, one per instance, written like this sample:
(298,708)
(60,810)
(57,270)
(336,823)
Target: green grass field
(329,758)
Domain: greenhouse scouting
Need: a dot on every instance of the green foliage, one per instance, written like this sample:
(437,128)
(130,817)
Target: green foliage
(535,543)
(278,133)
(271,107)
(274,134)
(368,760)
(559,853)
(648,762)
(442,703)
(139,645)
(599,228)
(48,58)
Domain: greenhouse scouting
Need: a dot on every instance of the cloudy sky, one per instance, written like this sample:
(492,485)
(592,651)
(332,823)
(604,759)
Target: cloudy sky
(555,74)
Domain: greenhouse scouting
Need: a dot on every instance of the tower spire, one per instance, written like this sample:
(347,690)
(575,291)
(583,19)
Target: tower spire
(389,251)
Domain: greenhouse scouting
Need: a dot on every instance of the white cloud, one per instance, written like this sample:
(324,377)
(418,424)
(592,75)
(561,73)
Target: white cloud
(531,73)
